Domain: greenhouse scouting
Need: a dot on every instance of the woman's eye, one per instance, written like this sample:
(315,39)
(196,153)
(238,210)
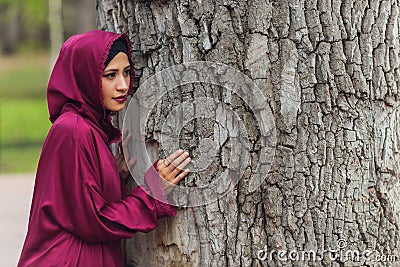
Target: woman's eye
(109,75)
(127,72)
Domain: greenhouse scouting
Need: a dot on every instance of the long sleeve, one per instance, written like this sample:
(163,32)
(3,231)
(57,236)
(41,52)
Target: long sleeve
(78,189)
(147,203)
(163,202)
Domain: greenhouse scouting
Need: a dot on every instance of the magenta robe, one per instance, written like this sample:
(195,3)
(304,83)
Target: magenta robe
(78,215)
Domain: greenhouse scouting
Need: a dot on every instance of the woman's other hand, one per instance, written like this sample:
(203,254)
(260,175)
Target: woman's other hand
(123,167)
(172,169)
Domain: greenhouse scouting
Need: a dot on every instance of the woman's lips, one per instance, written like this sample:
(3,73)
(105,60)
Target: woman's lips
(120,99)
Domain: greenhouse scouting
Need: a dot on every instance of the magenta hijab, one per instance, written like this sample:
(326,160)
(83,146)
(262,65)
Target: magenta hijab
(78,213)
(75,82)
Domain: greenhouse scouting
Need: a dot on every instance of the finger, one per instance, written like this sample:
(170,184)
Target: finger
(124,168)
(126,140)
(180,176)
(177,161)
(124,172)
(174,155)
(119,147)
(166,162)
(132,162)
(184,163)
(181,166)
(160,164)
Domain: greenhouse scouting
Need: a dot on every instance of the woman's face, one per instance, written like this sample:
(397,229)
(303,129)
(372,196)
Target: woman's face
(115,82)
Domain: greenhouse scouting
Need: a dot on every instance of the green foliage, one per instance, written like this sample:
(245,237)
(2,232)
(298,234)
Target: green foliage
(36,9)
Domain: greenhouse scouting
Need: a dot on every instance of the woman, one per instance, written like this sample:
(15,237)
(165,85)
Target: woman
(78,216)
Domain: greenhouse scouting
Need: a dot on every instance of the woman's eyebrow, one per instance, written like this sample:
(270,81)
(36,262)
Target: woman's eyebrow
(116,69)
(107,70)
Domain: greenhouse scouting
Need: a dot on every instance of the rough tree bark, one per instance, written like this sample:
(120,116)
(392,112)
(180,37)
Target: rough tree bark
(330,71)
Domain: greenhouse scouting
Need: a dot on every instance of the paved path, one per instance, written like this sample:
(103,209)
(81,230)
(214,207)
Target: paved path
(15,198)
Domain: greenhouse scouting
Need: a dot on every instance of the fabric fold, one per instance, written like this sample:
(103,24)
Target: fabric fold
(78,214)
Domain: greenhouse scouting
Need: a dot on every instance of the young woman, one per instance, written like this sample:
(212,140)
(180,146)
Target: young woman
(78,214)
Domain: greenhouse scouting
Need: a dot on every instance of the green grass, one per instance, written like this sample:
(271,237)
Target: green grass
(19,159)
(23,126)
(24,76)
(23,83)
(23,121)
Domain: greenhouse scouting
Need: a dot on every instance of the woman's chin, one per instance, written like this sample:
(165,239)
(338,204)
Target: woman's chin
(116,108)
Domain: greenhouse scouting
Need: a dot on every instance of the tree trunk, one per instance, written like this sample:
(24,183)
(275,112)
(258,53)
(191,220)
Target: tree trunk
(330,73)
(10,29)
(84,15)
(56,30)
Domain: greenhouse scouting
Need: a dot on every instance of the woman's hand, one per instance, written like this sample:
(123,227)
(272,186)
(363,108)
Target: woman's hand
(172,169)
(123,167)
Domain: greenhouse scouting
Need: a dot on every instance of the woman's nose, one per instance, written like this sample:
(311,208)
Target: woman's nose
(123,83)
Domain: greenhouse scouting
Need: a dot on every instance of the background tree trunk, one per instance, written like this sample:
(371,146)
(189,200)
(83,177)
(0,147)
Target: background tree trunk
(79,16)
(330,71)
(85,15)
(56,30)
(10,29)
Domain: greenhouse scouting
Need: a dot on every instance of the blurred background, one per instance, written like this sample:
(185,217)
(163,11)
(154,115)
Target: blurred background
(31,34)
